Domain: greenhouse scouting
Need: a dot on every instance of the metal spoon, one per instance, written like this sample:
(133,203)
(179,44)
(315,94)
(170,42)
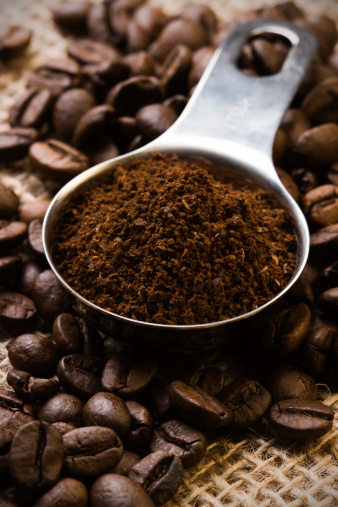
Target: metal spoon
(231,120)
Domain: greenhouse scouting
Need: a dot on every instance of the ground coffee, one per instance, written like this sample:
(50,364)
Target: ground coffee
(164,242)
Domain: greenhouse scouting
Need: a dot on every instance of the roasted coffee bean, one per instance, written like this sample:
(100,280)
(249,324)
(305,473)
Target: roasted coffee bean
(325,30)
(123,131)
(104,149)
(13,41)
(154,120)
(12,408)
(36,455)
(9,266)
(288,181)
(305,179)
(267,59)
(174,71)
(31,109)
(159,474)
(57,160)
(91,451)
(301,419)
(62,408)
(151,19)
(206,377)
(30,270)
(180,439)
(56,76)
(324,242)
(195,406)
(72,15)
(127,373)
(35,239)
(63,427)
(301,292)
(137,39)
(98,24)
(15,142)
(328,300)
(8,428)
(92,344)
(113,490)
(317,350)
(318,146)
(128,96)
(88,51)
(107,409)
(203,15)
(140,428)
(32,210)
(35,354)
(70,492)
(177,103)
(100,77)
(331,274)
(321,104)
(66,334)
(128,460)
(279,147)
(160,406)
(140,64)
(247,399)
(69,107)
(315,73)
(80,375)
(200,61)
(12,235)
(29,388)
(295,123)
(285,332)
(16,308)
(286,382)
(93,124)
(321,205)
(9,202)
(49,296)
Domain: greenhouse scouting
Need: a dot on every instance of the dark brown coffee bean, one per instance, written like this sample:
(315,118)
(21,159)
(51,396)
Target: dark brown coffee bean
(15,142)
(62,408)
(127,373)
(315,73)
(159,474)
(285,332)
(63,427)
(49,296)
(67,491)
(301,292)
(9,202)
(56,76)
(267,59)
(279,148)
(128,460)
(154,120)
(123,131)
(104,149)
(321,103)
(98,25)
(317,350)
(80,375)
(72,15)
(36,455)
(13,408)
(31,109)
(137,39)
(208,378)
(140,428)
(321,205)
(57,160)
(287,180)
(318,146)
(35,239)
(88,51)
(325,30)
(91,451)
(324,242)
(30,270)
(12,235)
(93,125)
(69,107)
(32,210)
(331,274)
(100,77)
(151,19)
(301,419)
(9,267)
(113,490)
(35,354)
(174,71)
(195,406)
(160,406)
(29,388)
(16,308)
(182,440)
(13,41)
(177,103)
(66,334)
(328,300)
(140,64)
(200,61)
(8,428)
(107,409)
(201,14)
(295,123)
(6,502)
(286,382)
(128,96)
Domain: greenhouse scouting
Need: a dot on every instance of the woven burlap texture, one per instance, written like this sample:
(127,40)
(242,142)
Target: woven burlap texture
(250,469)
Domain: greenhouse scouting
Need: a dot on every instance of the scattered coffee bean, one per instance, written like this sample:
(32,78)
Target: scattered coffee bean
(69,107)
(72,15)
(16,308)
(48,296)
(62,408)
(66,334)
(317,350)
(12,235)
(286,382)
(33,209)
(80,375)
(63,427)
(30,270)
(13,408)
(141,426)
(9,202)
(56,76)
(128,96)
(35,354)
(35,239)
(32,109)
(88,51)
(154,120)
(67,491)
(13,41)
(29,388)
(113,490)
(107,409)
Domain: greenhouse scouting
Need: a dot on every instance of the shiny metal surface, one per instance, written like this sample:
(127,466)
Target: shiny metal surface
(231,121)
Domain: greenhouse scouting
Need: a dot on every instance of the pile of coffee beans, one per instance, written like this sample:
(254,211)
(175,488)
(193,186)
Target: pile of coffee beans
(86,420)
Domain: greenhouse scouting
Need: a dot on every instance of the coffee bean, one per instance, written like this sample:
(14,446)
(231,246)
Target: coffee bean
(287,180)
(151,19)
(67,491)
(247,399)
(331,274)
(137,39)
(80,375)
(9,266)
(128,460)
(301,419)
(15,142)
(63,427)
(325,30)
(72,15)
(318,146)
(315,73)
(128,96)
(55,76)
(88,51)
(49,296)
(100,77)
(180,439)
(36,455)
(177,103)
(160,406)
(8,428)
(200,61)
(13,41)
(279,149)
(174,71)
(317,350)
(321,205)
(32,210)
(159,474)
(66,334)
(328,300)
(197,407)
(12,235)
(30,270)
(98,24)
(16,308)
(203,15)
(29,388)
(62,408)
(140,428)
(286,382)
(206,377)
(140,64)
(123,131)
(267,59)
(69,107)
(35,354)
(127,373)
(93,124)
(320,104)
(13,408)
(57,160)
(9,202)
(104,149)
(91,451)
(154,120)
(6,502)
(113,490)
(35,239)
(31,109)
(305,179)
(324,242)
(107,409)
(301,292)
(295,123)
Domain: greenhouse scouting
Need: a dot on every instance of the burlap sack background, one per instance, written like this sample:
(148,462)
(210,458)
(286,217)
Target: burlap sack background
(249,469)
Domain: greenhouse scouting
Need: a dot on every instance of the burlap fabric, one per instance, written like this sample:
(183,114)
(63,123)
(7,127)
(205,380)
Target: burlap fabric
(248,469)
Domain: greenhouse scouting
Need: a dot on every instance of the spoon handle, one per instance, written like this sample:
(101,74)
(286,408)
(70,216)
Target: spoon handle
(228,104)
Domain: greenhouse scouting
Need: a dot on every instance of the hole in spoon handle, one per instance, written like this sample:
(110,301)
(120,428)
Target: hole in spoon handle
(231,105)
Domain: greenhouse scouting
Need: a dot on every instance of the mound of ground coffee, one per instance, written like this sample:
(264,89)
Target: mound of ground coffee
(164,242)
